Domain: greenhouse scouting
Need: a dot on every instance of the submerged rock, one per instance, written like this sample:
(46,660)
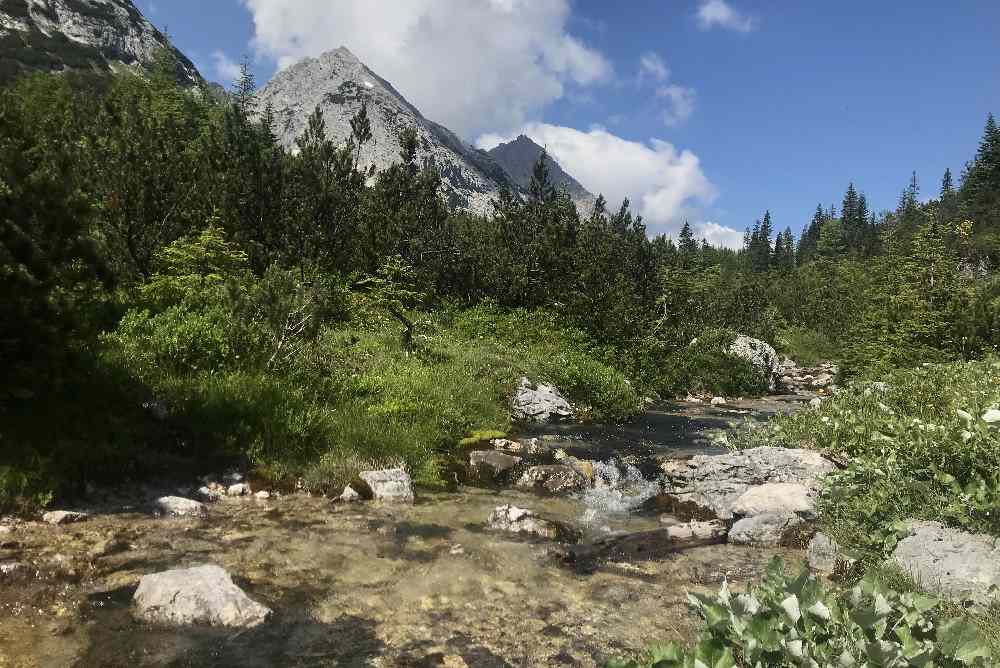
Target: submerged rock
(63,517)
(648,544)
(522,521)
(776,497)
(538,402)
(530,448)
(553,479)
(765,530)
(960,566)
(390,485)
(715,482)
(176,506)
(199,595)
(210,493)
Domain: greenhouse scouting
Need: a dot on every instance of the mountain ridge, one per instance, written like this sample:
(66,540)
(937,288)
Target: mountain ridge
(339,83)
(518,157)
(102,35)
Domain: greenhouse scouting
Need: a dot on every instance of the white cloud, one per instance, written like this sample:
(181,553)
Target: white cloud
(719,13)
(226,70)
(680,104)
(719,235)
(652,65)
(473,65)
(663,184)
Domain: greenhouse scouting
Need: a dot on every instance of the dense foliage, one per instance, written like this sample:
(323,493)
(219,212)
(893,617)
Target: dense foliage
(159,246)
(798,621)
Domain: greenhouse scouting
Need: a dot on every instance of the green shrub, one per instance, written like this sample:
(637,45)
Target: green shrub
(797,621)
(807,347)
(706,367)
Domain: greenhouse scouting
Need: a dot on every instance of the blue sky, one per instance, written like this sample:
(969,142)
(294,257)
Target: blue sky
(711,110)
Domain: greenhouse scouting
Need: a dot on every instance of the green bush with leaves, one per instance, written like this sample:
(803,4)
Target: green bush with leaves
(797,621)
(706,367)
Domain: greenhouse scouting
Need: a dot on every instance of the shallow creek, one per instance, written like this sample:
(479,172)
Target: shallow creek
(371,585)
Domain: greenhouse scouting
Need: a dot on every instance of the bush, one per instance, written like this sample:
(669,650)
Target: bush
(807,347)
(796,621)
(706,367)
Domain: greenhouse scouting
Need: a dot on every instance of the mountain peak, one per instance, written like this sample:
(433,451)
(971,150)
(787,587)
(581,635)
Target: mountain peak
(518,158)
(339,84)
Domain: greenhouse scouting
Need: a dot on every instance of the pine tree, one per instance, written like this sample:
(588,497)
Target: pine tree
(980,194)
(244,91)
(810,237)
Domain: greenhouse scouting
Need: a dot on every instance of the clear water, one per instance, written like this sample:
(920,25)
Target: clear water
(367,585)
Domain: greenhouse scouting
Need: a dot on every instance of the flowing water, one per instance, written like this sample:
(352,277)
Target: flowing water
(372,585)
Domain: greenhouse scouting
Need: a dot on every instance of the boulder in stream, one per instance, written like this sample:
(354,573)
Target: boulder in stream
(512,519)
(176,506)
(956,565)
(538,402)
(714,483)
(199,595)
(553,479)
(58,517)
(389,485)
(647,544)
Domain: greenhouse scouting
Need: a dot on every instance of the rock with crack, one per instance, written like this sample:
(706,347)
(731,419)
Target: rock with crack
(531,448)
(714,483)
(766,529)
(63,517)
(553,479)
(491,465)
(389,485)
(512,519)
(538,402)
(199,595)
(956,565)
(176,506)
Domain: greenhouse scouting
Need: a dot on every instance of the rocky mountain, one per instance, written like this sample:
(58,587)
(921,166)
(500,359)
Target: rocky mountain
(54,35)
(518,158)
(339,84)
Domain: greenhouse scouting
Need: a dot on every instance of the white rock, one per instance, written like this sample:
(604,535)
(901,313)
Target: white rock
(176,506)
(522,521)
(263,495)
(239,489)
(760,355)
(776,497)
(954,564)
(199,595)
(391,485)
(718,401)
(825,555)
(63,517)
(538,402)
(991,416)
(208,494)
(815,402)
(349,495)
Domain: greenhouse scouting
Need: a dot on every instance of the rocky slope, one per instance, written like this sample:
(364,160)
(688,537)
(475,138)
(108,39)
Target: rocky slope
(518,158)
(54,35)
(339,84)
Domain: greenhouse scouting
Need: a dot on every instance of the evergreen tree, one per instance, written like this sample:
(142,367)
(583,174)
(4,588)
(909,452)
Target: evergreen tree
(810,237)
(980,194)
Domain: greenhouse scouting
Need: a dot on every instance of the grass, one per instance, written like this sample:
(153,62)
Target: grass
(807,347)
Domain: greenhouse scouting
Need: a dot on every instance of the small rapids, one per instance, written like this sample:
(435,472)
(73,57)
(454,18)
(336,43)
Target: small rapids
(618,490)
